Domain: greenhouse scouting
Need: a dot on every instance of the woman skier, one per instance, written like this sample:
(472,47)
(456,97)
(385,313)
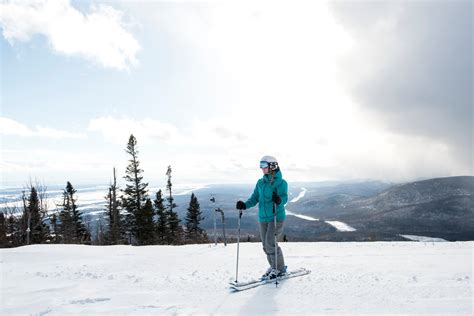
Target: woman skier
(271,190)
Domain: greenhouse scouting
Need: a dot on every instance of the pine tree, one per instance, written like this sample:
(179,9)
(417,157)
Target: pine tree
(146,233)
(15,232)
(25,221)
(66,226)
(54,225)
(175,231)
(135,193)
(162,219)
(3,231)
(101,233)
(194,233)
(39,229)
(114,234)
(72,228)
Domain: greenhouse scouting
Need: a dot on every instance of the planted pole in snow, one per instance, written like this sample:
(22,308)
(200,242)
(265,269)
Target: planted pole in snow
(213,200)
(223,224)
(238,244)
(28,219)
(276,241)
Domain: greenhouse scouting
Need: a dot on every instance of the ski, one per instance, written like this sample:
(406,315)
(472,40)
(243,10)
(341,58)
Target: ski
(241,286)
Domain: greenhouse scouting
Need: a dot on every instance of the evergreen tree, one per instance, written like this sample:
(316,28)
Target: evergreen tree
(66,226)
(194,233)
(101,233)
(15,233)
(175,231)
(162,219)
(135,193)
(3,231)
(114,234)
(146,232)
(25,220)
(72,228)
(54,225)
(39,229)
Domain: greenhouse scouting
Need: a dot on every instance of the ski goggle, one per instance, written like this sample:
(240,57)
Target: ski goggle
(264,164)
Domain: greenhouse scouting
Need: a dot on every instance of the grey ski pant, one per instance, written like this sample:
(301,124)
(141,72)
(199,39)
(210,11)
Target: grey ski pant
(267,236)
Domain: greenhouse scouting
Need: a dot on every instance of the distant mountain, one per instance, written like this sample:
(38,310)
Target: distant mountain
(442,207)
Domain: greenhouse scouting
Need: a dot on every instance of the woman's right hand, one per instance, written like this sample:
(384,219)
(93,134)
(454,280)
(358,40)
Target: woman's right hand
(240,205)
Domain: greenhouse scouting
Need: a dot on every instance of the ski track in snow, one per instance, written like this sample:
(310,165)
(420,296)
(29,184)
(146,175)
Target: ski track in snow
(301,195)
(305,217)
(340,226)
(347,278)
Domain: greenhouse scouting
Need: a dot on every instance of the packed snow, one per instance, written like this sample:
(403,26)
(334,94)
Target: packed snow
(301,195)
(423,238)
(346,278)
(188,190)
(340,226)
(305,217)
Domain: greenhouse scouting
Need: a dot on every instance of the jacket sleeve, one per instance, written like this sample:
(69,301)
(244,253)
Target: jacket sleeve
(253,200)
(282,191)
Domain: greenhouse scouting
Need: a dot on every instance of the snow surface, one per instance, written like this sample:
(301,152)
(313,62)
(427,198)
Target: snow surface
(340,226)
(423,238)
(302,193)
(305,217)
(346,278)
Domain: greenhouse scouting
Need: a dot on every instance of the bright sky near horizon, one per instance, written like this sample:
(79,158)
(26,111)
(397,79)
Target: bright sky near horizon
(335,90)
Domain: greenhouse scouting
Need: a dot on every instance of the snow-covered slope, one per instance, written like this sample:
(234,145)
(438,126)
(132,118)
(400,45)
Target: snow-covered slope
(346,278)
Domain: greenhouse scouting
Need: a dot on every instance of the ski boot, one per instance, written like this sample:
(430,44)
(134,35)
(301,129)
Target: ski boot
(266,274)
(275,273)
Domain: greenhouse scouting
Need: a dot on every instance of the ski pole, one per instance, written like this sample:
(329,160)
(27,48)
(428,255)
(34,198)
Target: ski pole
(276,242)
(238,244)
(213,200)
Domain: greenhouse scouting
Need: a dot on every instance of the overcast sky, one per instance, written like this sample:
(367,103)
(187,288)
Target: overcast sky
(335,90)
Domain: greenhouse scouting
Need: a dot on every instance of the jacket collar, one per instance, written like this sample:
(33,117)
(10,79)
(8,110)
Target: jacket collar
(277,177)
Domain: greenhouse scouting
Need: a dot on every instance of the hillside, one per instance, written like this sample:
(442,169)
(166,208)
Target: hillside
(442,207)
(346,278)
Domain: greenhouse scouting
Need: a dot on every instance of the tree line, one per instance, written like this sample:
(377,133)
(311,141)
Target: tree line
(131,215)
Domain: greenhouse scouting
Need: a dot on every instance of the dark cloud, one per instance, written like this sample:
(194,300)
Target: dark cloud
(413,66)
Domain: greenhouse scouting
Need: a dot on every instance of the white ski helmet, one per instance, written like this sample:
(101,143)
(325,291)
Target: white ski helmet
(270,162)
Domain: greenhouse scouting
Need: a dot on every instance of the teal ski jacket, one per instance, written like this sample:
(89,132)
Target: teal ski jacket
(262,194)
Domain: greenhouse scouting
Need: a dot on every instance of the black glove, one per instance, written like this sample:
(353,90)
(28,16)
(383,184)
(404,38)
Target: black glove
(276,199)
(240,205)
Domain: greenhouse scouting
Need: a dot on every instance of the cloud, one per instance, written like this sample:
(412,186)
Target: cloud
(150,131)
(335,93)
(411,65)
(54,166)
(99,36)
(9,127)
(118,130)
